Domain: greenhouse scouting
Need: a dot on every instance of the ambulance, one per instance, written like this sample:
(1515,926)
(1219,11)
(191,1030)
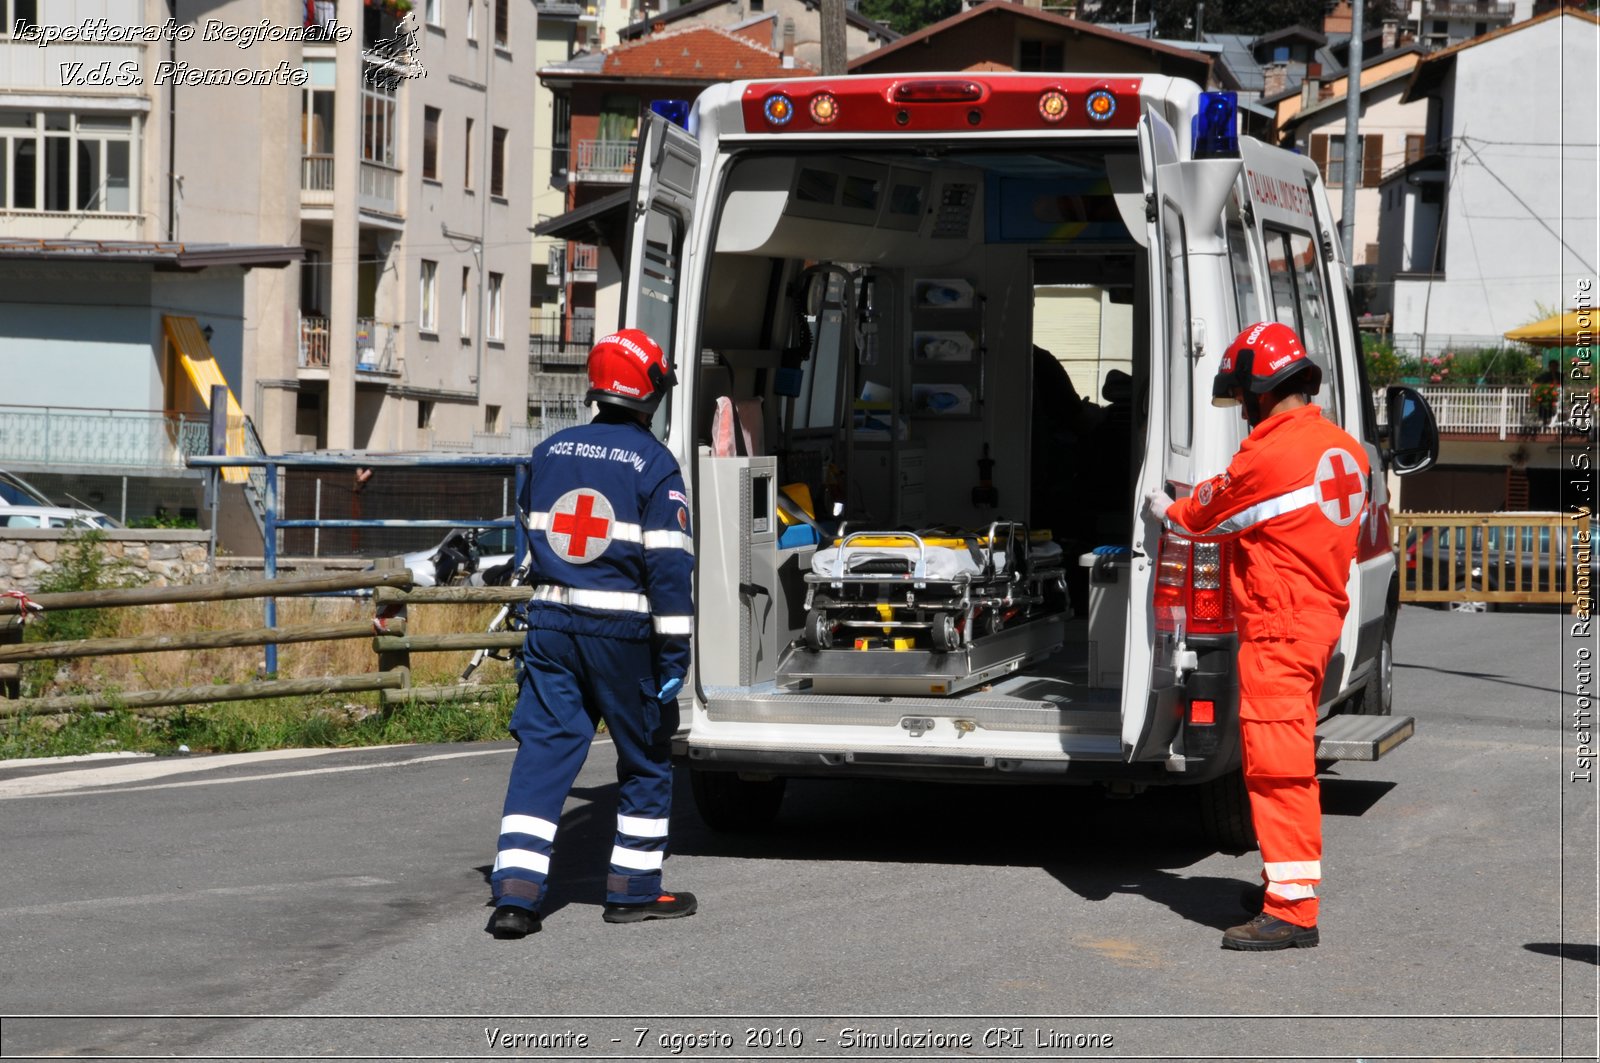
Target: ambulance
(936,335)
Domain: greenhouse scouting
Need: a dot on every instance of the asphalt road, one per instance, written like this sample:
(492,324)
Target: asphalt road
(331,905)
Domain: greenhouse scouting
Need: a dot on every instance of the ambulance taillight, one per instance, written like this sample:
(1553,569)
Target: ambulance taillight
(1193,576)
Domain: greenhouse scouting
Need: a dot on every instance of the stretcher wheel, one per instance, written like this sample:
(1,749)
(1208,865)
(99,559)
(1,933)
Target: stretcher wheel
(819,633)
(945,635)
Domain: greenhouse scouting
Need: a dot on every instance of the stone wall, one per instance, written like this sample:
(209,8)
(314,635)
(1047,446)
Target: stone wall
(154,557)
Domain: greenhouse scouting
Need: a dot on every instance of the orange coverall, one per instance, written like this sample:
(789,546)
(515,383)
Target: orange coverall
(1293,496)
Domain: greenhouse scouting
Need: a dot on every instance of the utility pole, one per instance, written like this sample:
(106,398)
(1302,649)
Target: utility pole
(834,59)
(1353,163)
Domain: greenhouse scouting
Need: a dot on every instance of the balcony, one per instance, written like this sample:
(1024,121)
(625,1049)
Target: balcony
(101,437)
(375,345)
(557,340)
(605,161)
(583,263)
(1490,413)
(1478,10)
(316,180)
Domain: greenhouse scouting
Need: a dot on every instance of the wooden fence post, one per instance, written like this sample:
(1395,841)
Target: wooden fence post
(389,604)
(10,674)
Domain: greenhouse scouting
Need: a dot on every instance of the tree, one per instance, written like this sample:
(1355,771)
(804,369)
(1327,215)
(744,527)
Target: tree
(908,16)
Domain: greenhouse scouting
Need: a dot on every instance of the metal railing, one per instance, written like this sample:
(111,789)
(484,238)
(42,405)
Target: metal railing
(605,159)
(1488,10)
(583,258)
(1503,413)
(316,174)
(98,436)
(374,344)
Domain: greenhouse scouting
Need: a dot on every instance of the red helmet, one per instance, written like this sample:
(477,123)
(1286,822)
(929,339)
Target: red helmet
(627,369)
(1263,358)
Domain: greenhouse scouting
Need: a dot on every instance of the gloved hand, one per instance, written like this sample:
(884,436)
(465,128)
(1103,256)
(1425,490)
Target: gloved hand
(670,689)
(1156,504)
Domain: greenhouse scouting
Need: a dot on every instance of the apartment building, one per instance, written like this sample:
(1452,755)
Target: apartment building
(392,144)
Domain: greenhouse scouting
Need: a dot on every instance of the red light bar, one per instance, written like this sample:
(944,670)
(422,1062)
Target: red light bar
(937,92)
(890,104)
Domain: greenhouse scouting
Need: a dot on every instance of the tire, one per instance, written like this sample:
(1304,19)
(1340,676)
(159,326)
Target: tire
(1225,813)
(944,633)
(1377,697)
(819,633)
(728,803)
(1466,605)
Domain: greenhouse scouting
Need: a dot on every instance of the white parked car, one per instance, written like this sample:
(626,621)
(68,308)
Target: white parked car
(53,517)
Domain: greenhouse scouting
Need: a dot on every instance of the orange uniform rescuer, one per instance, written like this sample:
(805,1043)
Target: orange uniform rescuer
(1293,498)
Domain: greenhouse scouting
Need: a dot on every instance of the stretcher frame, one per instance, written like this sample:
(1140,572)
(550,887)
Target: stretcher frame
(908,632)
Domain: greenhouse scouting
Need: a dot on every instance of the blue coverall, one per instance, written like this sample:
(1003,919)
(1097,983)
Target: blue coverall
(608,627)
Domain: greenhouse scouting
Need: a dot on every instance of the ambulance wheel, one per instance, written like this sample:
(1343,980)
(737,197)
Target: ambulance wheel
(819,633)
(1225,813)
(945,635)
(1377,697)
(728,803)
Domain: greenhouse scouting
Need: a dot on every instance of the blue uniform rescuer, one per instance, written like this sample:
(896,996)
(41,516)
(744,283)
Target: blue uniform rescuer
(607,524)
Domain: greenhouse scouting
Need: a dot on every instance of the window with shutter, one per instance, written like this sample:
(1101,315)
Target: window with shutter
(1319,153)
(1372,160)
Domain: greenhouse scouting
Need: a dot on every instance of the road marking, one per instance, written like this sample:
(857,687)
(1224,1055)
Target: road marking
(64,907)
(56,785)
(150,768)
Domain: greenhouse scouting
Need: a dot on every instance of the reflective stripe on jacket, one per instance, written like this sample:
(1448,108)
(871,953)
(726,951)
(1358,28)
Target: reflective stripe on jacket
(1295,498)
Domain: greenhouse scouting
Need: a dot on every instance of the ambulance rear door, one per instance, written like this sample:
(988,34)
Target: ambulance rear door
(1150,711)
(661,213)
(1306,290)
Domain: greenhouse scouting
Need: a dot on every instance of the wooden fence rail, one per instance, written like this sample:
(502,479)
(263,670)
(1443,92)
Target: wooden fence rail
(393,594)
(1489,558)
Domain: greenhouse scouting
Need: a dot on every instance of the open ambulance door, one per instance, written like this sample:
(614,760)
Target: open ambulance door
(661,210)
(1150,711)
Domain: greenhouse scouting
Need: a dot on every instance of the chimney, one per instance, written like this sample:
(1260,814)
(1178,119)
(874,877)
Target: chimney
(788,44)
(1391,34)
(1274,78)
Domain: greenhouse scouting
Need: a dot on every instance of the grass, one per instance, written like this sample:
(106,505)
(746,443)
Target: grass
(231,727)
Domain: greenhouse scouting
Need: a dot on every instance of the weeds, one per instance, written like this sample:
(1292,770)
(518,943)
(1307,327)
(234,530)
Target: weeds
(241,726)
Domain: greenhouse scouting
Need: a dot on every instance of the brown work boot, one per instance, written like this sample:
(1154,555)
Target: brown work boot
(1267,932)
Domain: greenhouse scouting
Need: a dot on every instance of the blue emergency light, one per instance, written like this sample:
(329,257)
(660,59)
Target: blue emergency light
(674,111)
(1215,130)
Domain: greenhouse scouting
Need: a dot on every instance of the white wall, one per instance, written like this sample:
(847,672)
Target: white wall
(1520,221)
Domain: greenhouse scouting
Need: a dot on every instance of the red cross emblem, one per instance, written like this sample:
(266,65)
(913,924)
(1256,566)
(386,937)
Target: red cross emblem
(580,526)
(1341,489)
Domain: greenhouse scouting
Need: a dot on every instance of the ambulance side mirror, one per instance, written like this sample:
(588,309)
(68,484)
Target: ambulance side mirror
(1412,435)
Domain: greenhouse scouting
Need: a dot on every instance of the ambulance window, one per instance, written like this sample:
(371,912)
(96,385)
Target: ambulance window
(1300,300)
(658,288)
(1244,281)
(1180,377)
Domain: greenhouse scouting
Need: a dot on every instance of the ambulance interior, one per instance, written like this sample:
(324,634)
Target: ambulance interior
(916,340)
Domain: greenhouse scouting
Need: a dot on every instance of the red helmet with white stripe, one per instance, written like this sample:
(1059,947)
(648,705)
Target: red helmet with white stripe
(628,369)
(1263,358)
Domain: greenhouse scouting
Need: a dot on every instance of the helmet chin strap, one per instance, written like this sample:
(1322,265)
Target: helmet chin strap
(1252,408)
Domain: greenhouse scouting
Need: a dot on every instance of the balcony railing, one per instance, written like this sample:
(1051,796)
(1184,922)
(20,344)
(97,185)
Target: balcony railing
(582,258)
(1500,413)
(560,340)
(379,188)
(72,435)
(605,160)
(375,344)
(1483,10)
(316,180)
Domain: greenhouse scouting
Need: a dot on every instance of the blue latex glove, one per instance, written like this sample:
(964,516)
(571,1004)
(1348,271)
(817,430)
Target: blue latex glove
(670,689)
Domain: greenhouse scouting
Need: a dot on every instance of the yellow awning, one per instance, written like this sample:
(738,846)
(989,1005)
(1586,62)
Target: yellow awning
(1575,328)
(204,373)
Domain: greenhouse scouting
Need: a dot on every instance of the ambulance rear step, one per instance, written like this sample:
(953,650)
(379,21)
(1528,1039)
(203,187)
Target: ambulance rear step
(1346,737)
(890,672)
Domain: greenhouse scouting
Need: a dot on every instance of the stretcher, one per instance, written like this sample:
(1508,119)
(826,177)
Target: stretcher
(927,612)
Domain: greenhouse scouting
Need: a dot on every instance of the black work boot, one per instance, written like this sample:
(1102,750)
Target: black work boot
(1252,898)
(666,906)
(1267,932)
(510,922)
